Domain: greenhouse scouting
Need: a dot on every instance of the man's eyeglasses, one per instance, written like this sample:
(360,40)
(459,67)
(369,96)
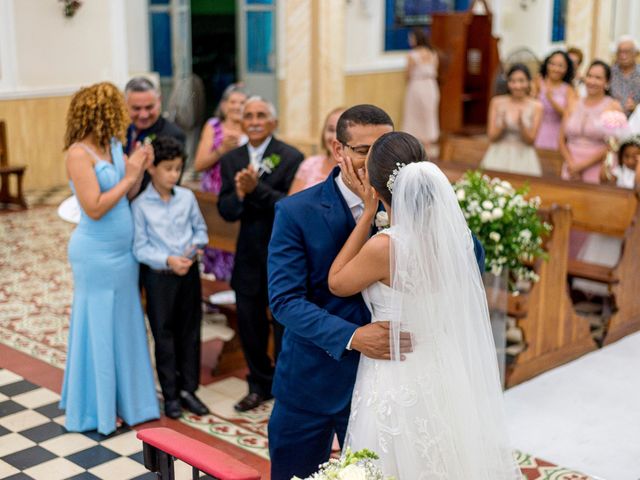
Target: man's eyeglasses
(361,150)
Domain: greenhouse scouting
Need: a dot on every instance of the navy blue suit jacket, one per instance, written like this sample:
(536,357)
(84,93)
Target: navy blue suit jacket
(314,371)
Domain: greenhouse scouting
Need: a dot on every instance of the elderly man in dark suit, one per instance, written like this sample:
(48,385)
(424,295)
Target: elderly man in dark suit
(254,177)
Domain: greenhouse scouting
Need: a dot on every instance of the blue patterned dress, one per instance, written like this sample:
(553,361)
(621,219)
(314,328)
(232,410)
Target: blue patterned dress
(108,372)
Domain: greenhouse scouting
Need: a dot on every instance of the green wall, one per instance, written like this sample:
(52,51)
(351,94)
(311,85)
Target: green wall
(213,7)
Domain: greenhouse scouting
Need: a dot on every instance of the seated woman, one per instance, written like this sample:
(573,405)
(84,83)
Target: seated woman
(221,134)
(315,169)
(554,90)
(514,120)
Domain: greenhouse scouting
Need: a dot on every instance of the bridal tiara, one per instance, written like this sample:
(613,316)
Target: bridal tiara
(393,175)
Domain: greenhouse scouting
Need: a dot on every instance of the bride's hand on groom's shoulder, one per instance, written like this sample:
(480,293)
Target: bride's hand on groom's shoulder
(372,340)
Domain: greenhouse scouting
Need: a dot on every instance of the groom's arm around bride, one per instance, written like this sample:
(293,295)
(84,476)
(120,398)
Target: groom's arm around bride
(315,372)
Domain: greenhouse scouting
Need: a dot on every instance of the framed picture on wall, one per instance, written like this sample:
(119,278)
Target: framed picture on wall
(418,12)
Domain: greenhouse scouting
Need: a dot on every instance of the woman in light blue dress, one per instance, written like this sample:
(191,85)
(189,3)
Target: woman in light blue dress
(108,372)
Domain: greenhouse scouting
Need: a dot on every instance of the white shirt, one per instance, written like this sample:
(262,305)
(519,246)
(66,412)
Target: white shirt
(354,202)
(256,153)
(356,205)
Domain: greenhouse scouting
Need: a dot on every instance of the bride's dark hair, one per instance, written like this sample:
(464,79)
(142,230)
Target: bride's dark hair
(386,153)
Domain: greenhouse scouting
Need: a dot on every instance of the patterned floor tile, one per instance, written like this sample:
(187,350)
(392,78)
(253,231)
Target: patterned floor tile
(51,410)
(17,388)
(122,467)
(37,398)
(68,444)
(92,457)
(19,476)
(87,476)
(9,406)
(125,444)
(14,442)
(7,377)
(29,457)
(56,469)
(23,420)
(7,470)
(43,432)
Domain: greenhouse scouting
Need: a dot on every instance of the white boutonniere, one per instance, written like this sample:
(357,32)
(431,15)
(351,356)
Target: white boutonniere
(382,220)
(270,163)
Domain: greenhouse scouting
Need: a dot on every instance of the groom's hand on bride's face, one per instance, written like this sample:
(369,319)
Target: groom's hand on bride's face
(373,341)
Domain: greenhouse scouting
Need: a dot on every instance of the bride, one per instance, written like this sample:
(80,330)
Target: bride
(437,412)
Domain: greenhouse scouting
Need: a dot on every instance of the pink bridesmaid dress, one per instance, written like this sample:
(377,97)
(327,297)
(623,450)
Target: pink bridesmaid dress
(549,131)
(585,136)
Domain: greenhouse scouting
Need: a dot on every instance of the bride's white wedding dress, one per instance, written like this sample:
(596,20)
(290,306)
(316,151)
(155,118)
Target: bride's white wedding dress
(439,413)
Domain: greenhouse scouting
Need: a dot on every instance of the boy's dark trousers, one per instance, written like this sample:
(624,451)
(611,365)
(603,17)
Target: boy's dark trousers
(175,313)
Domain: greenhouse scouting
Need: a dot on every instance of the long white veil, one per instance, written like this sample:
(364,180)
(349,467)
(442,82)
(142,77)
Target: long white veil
(448,402)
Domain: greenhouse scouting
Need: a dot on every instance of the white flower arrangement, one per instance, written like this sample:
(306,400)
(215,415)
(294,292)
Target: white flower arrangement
(269,164)
(351,466)
(506,224)
(382,220)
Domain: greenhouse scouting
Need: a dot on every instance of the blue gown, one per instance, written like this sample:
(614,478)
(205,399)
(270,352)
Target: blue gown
(108,372)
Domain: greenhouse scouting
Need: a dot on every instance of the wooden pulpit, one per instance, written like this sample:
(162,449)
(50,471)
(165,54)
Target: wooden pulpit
(469,65)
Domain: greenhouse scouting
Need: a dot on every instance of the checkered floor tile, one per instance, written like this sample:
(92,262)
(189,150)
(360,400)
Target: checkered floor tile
(35,445)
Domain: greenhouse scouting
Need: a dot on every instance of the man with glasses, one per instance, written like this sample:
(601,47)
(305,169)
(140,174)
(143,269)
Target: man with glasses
(324,334)
(625,74)
(317,366)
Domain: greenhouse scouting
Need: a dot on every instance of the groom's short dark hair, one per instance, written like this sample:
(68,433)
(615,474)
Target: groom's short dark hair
(360,115)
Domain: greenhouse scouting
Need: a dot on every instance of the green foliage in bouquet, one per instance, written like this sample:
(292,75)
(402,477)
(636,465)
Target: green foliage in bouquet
(351,466)
(506,224)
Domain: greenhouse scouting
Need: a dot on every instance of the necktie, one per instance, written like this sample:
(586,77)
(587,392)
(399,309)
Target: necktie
(358,210)
(255,160)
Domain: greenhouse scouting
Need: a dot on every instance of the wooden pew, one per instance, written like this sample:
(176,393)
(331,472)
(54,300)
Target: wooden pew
(553,333)
(222,234)
(599,209)
(470,151)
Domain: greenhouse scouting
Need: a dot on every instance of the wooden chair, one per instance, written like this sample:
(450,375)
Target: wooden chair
(7,171)
(551,162)
(467,151)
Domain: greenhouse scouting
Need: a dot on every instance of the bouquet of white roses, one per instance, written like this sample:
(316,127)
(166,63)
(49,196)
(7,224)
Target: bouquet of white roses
(506,224)
(615,126)
(351,466)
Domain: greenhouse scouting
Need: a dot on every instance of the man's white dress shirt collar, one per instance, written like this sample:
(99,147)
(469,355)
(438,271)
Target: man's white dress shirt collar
(256,153)
(354,202)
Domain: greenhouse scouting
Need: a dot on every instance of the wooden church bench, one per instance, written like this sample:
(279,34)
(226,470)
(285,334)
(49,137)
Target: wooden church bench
(598,209)
(8,171)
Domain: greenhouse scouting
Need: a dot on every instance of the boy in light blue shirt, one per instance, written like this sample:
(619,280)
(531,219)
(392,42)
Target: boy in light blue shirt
(169,231)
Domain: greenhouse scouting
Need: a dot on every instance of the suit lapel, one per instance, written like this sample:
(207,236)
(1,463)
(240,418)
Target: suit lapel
(242,157)
(336,212)
(271,148)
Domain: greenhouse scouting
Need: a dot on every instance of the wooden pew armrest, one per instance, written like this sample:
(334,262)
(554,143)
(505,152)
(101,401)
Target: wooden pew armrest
(590,271)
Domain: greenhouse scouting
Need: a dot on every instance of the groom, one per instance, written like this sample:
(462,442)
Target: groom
(324,334)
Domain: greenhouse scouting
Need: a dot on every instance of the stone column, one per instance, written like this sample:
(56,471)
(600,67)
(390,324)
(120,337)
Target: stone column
(310,72)
(589,28)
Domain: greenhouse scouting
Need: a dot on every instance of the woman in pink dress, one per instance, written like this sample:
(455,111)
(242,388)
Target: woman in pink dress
(554,90)
(583,145)
(315,169)
(221,134)
(582,138)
